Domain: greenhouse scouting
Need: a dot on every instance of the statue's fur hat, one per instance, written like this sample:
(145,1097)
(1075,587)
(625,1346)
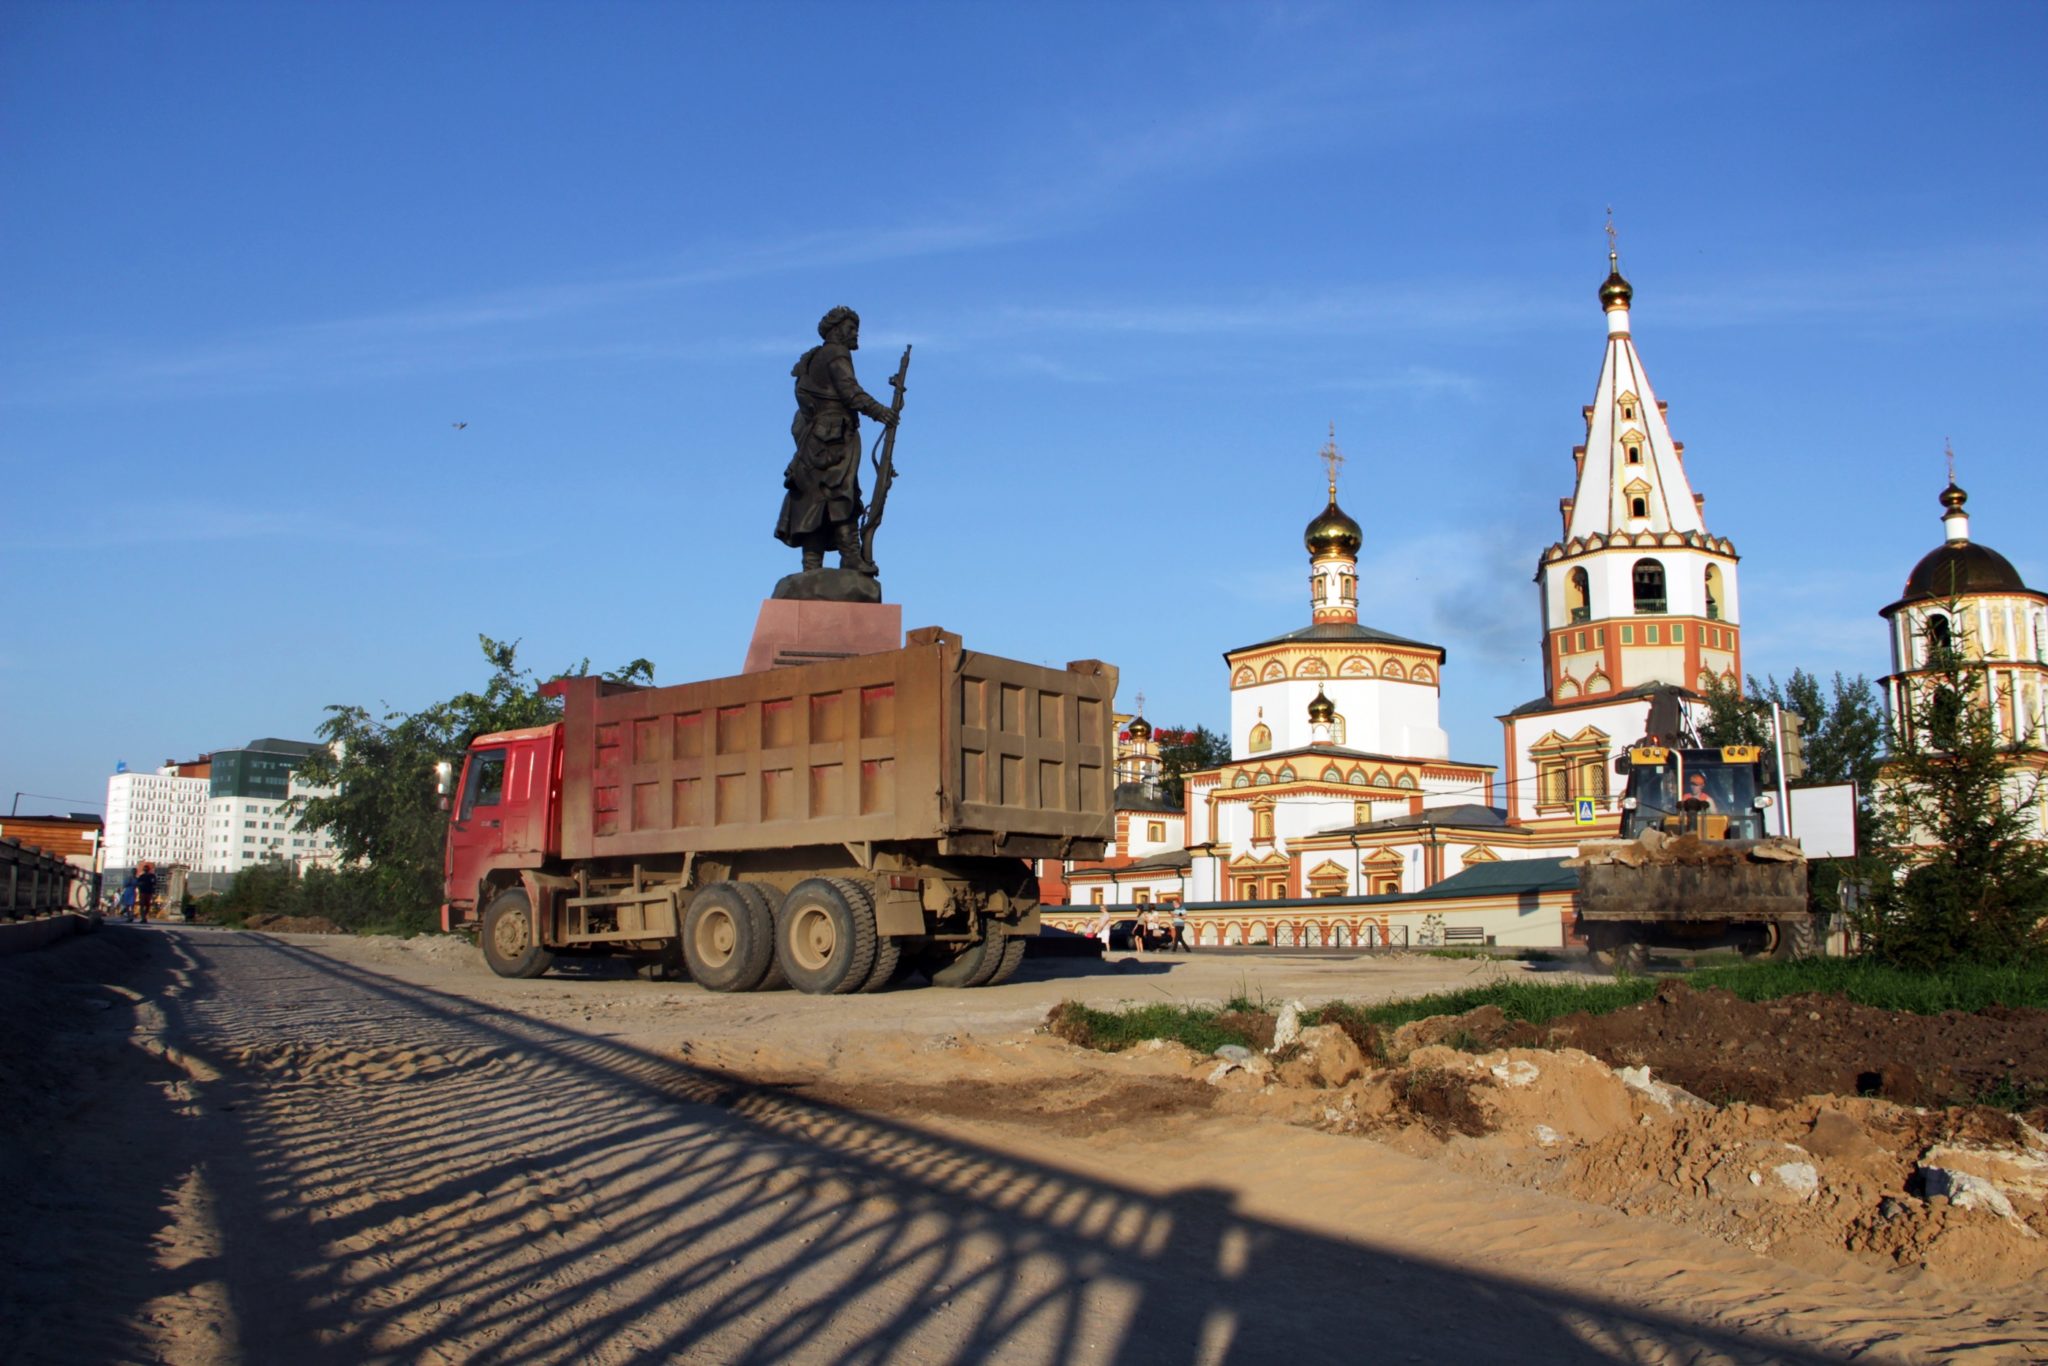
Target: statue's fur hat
(841,314)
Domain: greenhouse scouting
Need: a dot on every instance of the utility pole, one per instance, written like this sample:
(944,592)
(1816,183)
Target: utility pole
(1784,794)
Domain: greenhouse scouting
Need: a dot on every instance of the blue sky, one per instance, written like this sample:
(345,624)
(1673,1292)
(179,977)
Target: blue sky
(259,259)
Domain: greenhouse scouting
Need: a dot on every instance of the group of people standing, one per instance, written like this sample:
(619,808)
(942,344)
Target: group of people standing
(1150,931)
(138,894)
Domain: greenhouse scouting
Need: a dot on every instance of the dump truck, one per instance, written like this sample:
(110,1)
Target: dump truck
(1695,867)
(832,826)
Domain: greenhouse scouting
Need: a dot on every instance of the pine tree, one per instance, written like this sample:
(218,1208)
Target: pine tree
(1956,808)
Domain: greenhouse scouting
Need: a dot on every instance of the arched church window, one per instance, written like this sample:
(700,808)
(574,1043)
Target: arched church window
(1713,581)
(1261,738)
(1578,595)
(1939,639)
(1635,455)
(1638,506)
(1649,586)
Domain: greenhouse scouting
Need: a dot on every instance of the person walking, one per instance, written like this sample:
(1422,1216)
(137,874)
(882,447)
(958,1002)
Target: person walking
(1100,929)
(145,893)
(1180,929)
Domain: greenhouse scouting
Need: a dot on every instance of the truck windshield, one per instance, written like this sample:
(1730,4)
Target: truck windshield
(1725,789)
(484,784)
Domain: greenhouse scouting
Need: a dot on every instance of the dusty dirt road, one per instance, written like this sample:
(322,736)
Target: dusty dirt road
(240,1147)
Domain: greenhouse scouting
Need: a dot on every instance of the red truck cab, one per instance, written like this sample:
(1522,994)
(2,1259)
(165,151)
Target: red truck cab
(507,813)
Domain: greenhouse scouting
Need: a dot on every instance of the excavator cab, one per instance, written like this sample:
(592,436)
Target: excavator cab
(1716,794)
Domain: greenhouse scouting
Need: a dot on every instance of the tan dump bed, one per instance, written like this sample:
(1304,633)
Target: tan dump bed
(931,742)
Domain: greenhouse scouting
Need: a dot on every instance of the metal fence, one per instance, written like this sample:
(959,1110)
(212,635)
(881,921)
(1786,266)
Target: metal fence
(35,883)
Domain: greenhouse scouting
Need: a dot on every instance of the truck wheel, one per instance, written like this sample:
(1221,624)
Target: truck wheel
(825,936)
(1797,938)
(1631,958)
(888,968)
(954,964)
(764,899)
(509,943)
(1007,962)
(728,939)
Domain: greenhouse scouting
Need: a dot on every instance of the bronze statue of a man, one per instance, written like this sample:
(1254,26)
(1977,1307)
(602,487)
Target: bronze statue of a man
(822,508)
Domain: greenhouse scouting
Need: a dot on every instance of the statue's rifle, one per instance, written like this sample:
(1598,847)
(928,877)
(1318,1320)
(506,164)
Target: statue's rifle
(885,465)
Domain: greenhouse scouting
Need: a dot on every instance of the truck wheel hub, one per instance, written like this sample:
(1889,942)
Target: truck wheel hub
(510,935)
(717,937)
(813,938)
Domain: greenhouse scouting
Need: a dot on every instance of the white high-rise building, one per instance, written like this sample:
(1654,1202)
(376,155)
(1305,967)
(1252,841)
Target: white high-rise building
(156,817)
(246,820)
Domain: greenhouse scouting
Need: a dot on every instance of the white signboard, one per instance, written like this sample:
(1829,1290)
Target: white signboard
(1823,820)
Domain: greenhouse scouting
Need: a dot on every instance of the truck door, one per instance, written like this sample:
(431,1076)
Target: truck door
(476,834)
(529,778)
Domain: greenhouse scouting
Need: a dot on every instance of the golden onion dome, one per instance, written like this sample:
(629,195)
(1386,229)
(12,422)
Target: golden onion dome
(1333,533)
(1322,711)
(1953,497)
(1615,292)
(1140,729)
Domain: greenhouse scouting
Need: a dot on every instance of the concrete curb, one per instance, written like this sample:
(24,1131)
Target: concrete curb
(22,935)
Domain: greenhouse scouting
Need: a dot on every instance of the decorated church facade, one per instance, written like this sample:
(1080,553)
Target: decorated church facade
(1342,817)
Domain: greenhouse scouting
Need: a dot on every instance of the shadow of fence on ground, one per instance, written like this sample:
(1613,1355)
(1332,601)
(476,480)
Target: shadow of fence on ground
(459,1183)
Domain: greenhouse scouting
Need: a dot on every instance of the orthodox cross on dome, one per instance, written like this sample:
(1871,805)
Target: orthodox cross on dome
(1948,449)
(1613,257)
(1141,704)
(1333,460)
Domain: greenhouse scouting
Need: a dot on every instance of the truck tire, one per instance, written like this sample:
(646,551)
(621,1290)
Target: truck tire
(728,939)
(954,964)
(1008,961)
(888,968)
(764,900)
(1797,938)
(825,936)
(509,943)
(1631,958)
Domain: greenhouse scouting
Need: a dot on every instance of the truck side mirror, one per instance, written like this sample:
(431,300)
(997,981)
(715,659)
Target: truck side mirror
(443,771)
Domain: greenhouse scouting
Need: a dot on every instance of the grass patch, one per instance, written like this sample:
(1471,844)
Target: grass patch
(1964,987)
(1960,986)
(1535,1002)
(1112,1031)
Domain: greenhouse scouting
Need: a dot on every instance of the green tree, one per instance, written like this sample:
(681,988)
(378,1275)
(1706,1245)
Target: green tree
(1843,735)
(1963,876)
(384,815)
(1188,751)
(1732,718)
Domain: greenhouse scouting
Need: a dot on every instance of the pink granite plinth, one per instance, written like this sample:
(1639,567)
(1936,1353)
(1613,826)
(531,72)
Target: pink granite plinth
(792,631)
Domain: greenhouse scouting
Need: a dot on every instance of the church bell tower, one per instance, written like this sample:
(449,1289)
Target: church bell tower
(1637,595)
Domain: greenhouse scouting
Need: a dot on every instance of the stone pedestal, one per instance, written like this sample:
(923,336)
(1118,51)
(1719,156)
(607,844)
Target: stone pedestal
(798,631)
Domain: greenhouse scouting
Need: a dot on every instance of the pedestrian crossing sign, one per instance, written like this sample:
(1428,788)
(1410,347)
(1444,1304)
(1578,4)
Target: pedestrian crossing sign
(1585,816)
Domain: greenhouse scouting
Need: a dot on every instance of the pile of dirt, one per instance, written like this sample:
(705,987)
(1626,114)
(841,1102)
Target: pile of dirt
(292,924)
(1962,1191)
(1726,1049)
(1738,1119)
(1688,850)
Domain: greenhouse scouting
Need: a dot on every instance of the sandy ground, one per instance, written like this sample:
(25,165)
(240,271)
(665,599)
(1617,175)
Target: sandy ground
(242,1147)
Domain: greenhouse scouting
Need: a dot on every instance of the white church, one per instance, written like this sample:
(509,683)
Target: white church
(1341,816)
